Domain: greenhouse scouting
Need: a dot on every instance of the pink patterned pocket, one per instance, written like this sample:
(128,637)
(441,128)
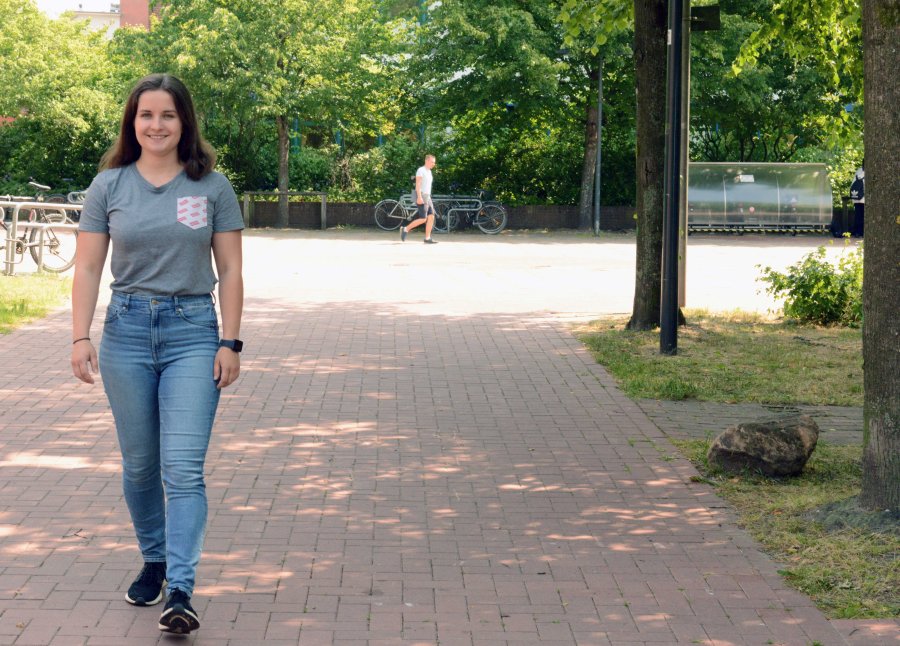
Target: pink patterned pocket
(192,211)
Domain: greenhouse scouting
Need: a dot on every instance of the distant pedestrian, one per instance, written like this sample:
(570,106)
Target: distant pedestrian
(166,212)
(858,195)
(424,205)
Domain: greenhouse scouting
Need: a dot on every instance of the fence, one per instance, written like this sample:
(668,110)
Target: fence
(270,213)
(306,215)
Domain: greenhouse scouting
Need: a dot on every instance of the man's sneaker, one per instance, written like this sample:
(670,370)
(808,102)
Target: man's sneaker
(430,241)
(147,589)
(178,617)
(403,233)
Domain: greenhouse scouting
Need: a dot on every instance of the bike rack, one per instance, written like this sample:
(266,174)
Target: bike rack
(461,204)
(10,260)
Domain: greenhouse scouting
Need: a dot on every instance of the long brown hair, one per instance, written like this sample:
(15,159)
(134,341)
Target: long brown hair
(194,152)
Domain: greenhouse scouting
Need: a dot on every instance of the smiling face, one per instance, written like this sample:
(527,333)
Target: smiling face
(157,125)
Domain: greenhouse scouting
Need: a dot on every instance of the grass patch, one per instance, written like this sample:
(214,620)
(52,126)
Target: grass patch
(27,297)
(736,357)
(849,573)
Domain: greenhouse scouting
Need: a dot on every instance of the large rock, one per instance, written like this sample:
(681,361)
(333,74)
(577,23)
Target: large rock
(778,447)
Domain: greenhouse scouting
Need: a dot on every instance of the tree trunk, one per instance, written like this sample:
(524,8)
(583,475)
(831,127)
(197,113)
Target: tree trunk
(284,143)
(650,28)
(589,166)
(881,271)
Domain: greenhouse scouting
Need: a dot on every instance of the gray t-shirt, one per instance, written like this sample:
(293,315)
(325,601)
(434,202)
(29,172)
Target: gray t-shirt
(161,236)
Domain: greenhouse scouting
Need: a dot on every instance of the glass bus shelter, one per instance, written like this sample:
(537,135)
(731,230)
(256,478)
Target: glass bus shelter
(737,196)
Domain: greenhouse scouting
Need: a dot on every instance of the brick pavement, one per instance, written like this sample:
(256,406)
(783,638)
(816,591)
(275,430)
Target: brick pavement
(386,477)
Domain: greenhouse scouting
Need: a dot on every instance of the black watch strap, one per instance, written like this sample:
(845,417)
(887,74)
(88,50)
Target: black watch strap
(235,345)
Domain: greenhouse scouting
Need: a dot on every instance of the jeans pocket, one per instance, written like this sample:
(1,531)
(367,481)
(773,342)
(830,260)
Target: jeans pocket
(203,315)
(113,312)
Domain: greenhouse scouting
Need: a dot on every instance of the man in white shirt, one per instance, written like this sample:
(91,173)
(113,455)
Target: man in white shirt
(424,205)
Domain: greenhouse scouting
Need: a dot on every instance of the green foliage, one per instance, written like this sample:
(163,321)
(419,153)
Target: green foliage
(828,30)
(499,90)
(333,63)
(817,291)
(774,108)
(597,20)
(505,97)
(57,81)
(311,169)
(381,172)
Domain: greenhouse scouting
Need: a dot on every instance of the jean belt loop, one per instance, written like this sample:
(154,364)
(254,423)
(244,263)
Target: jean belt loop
(127,300)
(212,295)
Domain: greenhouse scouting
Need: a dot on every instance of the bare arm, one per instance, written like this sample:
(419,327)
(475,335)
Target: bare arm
(90,256)
(419,199)
(226,248)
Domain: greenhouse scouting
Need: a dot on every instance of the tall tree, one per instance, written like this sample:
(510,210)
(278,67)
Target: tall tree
(57,95)
(835,32)
(881,267)
(650,84)
(604,17)
(324,61)
(505,60)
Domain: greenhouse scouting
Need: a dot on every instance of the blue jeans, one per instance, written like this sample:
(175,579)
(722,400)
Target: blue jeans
(156,359)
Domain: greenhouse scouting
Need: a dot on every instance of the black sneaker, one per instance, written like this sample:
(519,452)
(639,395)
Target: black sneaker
(178,617)
(429,241)
(403,233)
(147,589)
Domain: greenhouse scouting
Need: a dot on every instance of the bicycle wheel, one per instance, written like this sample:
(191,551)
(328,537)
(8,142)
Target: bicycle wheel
(444,221)
(491,219)
(389,215)
(59,244)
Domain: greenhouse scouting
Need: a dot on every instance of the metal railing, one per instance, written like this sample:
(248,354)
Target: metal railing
(10,261)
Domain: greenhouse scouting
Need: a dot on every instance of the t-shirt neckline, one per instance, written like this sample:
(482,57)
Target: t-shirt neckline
(147,184)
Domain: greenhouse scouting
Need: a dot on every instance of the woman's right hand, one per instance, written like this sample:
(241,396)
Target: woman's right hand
(84,361)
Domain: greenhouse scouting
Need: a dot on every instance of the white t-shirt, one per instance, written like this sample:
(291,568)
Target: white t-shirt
(425,174)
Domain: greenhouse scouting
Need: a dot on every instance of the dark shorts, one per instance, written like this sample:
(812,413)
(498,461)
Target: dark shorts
(423,210)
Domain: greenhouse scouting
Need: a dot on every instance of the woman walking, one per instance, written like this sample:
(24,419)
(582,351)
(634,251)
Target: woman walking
(168,214)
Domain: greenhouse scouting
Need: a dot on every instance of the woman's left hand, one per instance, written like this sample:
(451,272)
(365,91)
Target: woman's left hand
(226,368)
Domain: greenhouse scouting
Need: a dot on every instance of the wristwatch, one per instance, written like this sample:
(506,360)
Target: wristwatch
(235,345)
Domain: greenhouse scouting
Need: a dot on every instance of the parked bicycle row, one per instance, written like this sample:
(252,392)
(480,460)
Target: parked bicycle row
(452,212)
(52,247)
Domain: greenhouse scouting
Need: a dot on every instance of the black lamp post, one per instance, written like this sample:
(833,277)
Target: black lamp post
(668,311)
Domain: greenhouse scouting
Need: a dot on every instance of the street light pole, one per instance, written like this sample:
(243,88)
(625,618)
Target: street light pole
(668,311)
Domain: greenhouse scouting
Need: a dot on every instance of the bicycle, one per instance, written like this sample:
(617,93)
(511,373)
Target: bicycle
(451,211)
(457,211)
(390,214)
(58,243)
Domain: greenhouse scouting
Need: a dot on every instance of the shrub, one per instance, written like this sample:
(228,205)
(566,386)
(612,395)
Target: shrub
(817,291)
